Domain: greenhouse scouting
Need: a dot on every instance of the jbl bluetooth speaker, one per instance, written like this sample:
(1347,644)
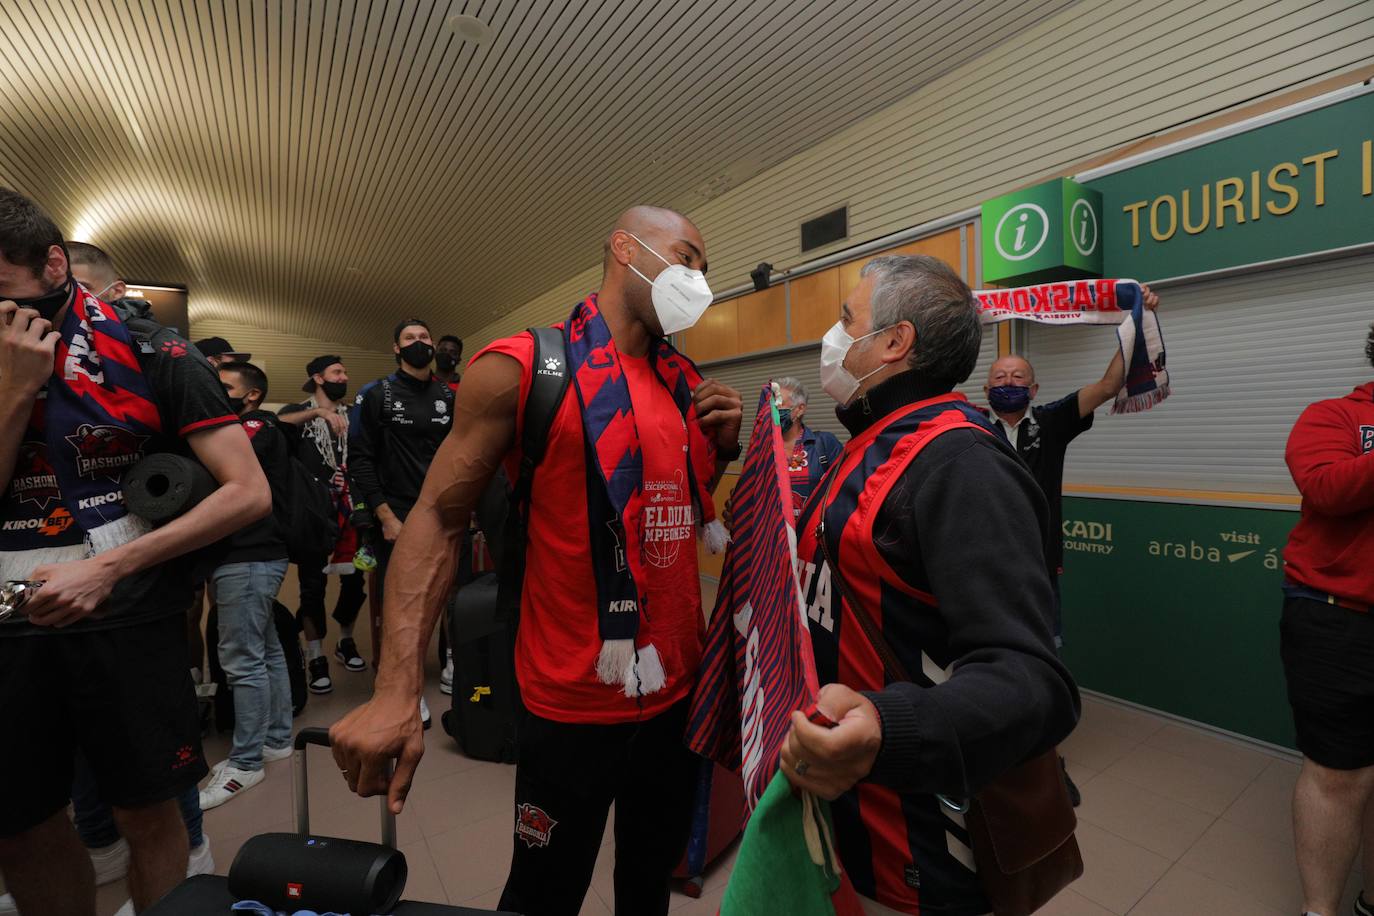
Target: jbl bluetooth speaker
(289,871)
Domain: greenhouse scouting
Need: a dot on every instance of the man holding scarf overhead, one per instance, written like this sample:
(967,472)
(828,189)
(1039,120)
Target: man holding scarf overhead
(96,660)
(610,628)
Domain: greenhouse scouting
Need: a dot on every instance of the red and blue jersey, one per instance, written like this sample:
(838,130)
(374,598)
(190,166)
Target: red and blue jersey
(905,850)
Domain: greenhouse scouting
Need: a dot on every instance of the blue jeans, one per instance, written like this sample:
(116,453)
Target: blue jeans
(95,821)
(251,655)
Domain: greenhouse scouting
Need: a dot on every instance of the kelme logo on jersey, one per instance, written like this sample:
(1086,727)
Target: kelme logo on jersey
(552,366)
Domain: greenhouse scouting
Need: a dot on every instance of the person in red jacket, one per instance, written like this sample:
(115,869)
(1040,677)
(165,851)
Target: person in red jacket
(1327,641)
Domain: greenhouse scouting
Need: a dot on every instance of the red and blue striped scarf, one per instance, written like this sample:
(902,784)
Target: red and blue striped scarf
(615,476)
(756,666)
(90,425)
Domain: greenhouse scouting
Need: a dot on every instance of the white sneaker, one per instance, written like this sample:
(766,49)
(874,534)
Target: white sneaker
(110,862)
(273,754)
(424,713)
(228,782)
(8,906)
(200,863)
(446,677)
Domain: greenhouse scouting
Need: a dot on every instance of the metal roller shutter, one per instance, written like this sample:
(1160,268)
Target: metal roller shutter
(748,374)
(1246,355)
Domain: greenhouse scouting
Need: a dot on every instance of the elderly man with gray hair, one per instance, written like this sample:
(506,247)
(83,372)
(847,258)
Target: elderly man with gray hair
(922,562)
(809,451)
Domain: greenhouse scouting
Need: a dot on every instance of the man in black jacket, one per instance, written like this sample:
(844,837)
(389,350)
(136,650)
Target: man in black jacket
(977,687)
(395,429)
(249,566)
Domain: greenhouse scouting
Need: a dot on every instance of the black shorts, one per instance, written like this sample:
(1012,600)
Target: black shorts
(1328,659)
(122,696)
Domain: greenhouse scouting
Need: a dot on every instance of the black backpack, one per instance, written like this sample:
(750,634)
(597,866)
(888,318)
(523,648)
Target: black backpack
(309,522)
(484,613)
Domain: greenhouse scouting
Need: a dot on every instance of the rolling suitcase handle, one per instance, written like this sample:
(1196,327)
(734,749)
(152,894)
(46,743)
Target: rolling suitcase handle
(320,737)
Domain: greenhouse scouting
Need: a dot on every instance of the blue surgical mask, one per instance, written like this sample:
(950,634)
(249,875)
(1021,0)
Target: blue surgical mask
(785,418)
(1009,398)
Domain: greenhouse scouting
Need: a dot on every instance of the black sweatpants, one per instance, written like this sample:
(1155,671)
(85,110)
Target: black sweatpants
(566,779)
(352,594)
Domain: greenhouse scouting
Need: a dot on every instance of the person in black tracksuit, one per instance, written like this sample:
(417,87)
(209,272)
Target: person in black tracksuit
(396,428)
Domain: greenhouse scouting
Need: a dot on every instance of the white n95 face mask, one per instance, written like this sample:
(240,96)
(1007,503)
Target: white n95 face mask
(681,295)
(836,380)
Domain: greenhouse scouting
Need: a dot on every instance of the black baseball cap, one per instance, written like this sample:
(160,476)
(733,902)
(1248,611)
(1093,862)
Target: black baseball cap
(318,364)
(218,346)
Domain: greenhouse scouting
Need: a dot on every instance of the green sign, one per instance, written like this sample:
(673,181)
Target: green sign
(1177,608)
(1052,231)
(1297,186)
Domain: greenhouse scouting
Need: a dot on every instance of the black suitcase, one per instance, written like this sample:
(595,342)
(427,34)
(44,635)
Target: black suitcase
(486,700)
(206,894)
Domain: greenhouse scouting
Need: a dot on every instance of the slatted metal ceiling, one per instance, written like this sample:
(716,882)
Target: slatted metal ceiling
(322,167)
(1063,89)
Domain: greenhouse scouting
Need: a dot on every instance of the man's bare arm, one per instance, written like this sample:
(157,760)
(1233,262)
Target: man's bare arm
(71,591)
(418,580)
(420,575)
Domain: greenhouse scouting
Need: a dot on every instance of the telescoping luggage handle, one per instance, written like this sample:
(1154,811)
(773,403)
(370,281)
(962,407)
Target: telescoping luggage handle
(320,737)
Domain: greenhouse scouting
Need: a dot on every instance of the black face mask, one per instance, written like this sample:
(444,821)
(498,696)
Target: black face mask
(48,304)
(418,354)
(445,362)
(236,405)
(335,391)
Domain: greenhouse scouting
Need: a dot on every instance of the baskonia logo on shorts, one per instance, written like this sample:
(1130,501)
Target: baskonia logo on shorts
(533,826)
(105,450)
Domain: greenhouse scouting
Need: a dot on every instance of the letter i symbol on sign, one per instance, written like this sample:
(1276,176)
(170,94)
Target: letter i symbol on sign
(1083,228)
(1020,233)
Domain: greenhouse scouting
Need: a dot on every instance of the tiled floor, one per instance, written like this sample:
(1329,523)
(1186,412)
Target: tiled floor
(1174,820)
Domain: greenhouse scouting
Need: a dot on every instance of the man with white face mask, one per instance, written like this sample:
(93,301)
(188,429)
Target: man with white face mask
(977,687)
(610,629)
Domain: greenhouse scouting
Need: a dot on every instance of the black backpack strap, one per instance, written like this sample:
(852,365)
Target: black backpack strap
(549,377)
(548,383)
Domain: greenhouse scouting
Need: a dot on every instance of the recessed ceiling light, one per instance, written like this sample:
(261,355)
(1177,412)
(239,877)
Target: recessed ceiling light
(469,28)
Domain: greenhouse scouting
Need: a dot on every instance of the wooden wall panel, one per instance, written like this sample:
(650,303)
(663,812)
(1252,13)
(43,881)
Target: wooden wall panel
(944,246)
(815,304)
(716,335)
(762,320)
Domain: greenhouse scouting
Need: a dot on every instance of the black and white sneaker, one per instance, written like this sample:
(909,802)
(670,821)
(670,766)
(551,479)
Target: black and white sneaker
(1361,907)
(347,652)
(319,676)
